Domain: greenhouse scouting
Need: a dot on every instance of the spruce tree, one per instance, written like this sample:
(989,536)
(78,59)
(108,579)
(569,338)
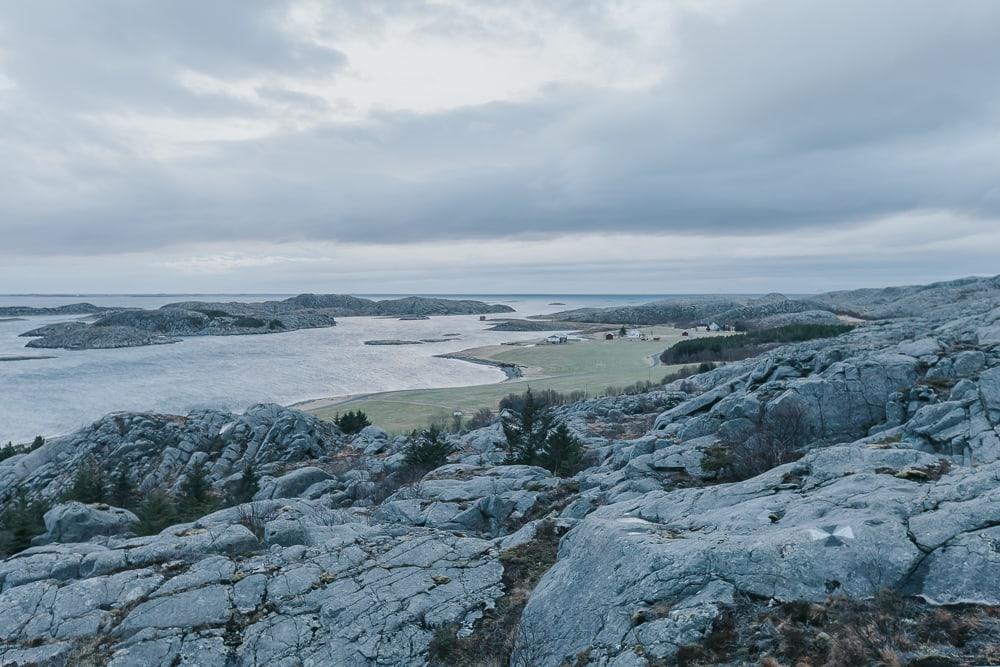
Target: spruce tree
(195,500)
(563,453)
(352,421)
(24,520)
(155,513)
(526,431)
(428,449)
(88,484)
(123,491)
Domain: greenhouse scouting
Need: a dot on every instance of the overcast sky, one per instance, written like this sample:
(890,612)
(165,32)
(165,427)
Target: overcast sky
(523,146)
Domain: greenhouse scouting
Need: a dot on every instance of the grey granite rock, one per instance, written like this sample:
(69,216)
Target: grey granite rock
(76,522)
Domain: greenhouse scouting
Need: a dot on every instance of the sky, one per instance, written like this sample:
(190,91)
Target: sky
(558,146)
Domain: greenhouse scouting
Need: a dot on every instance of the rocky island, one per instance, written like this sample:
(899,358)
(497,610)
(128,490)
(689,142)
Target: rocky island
(169,323)
(832,501)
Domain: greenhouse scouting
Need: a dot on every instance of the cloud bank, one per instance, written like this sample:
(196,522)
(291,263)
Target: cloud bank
(592,145)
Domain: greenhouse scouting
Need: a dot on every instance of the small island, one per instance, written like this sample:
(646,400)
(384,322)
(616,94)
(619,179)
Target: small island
(170,323)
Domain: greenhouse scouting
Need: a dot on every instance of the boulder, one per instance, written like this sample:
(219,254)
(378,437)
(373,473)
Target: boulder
(76,522)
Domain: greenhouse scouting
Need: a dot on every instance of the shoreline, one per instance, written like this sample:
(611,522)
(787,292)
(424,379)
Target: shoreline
(512,371)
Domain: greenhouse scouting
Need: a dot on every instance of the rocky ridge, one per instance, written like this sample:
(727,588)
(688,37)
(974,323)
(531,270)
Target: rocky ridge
(938,300)
(333,564)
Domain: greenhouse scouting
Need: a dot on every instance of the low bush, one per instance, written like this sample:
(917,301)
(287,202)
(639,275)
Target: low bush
(481,418)
(427,450)
(886,630)
(547,398)
(352,422)
(773,438)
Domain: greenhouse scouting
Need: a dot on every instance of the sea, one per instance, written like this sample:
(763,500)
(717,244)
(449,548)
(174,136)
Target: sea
(71,389)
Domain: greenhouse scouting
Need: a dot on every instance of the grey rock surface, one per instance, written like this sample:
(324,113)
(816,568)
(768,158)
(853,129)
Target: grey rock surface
(76,522)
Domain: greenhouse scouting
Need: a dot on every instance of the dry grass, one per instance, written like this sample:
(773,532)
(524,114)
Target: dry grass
(499,633)
(889,631)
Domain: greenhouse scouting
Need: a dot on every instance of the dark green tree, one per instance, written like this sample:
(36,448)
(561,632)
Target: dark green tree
(428,449)
(22,521)
(123,491)
(195,500)
(37,442)
(562,453)
(88,484)
(156,512)
(352,421)
(622,332)
(526,431)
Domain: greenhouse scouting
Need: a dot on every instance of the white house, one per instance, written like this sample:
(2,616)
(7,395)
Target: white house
(633,333)
(556,339)
(714,327)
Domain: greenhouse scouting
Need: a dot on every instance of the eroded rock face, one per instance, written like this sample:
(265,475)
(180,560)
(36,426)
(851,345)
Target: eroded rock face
(366,596)
(843,520)
(157,451)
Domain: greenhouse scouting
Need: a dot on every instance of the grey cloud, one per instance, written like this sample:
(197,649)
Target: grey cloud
(784,116)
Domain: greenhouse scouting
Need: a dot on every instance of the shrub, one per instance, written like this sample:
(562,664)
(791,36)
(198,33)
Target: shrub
(773,438)
(483,417)
(352,422)
(548,398)
(254,518)
(427,450)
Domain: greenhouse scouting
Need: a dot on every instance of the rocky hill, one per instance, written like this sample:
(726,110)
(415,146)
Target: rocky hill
(688,311)
(829,502)
(945,299)
(169,323)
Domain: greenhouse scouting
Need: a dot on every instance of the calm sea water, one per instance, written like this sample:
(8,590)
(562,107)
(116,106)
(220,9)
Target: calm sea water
(54,396)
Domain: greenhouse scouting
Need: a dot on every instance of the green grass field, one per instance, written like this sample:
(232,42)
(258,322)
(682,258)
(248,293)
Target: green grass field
(590,366)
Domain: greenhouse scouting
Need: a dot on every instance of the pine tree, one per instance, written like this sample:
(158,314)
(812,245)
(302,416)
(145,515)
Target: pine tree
(195,500)
(24,520)
(155,513)
(526,431)
(88,484)
(622,332)
(123,491)
(428,449)
(352,421)
(563,453)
